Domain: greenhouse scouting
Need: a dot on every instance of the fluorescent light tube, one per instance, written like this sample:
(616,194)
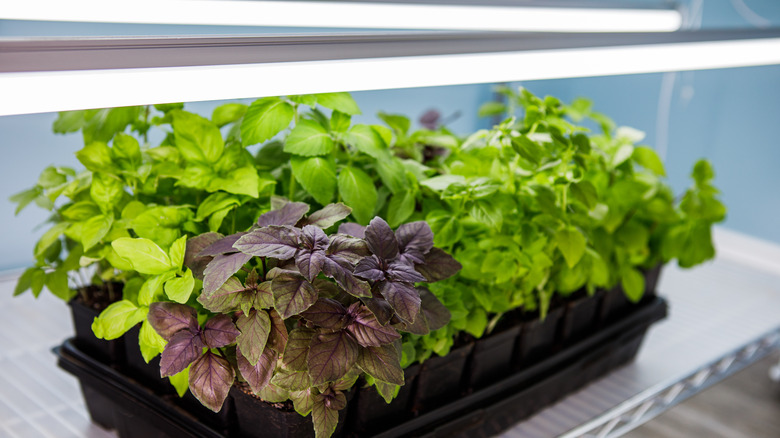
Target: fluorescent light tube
(41,91)
(326,14)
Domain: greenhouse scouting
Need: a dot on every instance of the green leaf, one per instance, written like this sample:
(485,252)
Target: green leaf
(80,211)
(398,123)
(342,102)
(69,121)
(151,343)
(571,243)
(623,153)
(702,172)
(477,323)
(382,363)
(117,319)
(633,284)
(49,237)
(127,148)
(152,289)
(228,113)
(365,139)
(25,281)
(339,122)
(37,280)
(647,158)
(309,138)
(317,175)
(400,208)
(392,172)
(51,177)
(57,283)
(106,191)
(490,109)
(264,119)
(179,289)
(442,182)
(358,192)
(24,198)
(145,256)
(96,157)
(447,228)
(181,381)
(176,252)
(214,202)
(241,181)
(198,139)
(94,230)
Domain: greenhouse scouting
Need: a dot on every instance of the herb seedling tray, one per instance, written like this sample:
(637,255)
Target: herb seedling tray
(116,401)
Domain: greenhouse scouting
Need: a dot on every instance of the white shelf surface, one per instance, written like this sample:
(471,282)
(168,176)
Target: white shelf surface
(714,310)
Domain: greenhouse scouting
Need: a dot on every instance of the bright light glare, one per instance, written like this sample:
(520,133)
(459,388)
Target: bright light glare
(25,93)
(346,15)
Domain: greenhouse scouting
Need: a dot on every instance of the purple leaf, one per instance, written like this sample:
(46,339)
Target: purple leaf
(403,298)
(418,327)
(370,268)
(313,238)
(289,214)
(169,318)
(264,299)
(353,229)
(297,349)
(327,313)
(195,245)
(277,339)
(303,401)
(341,271)
(219,331)
(438,266)
(325,418)
(348,248)
(221,246)
(272,241)
(367,330)
(221,269)
(435,313)
(292,294)
(227,298)
(381,239)
(291,380)
(379,306)
(183,348)
(331,356)
(328,289)
(210,380)
(328,215)
(414,240)
(400,271)
(255,329)
(382,363)
(259,374)
(310,262)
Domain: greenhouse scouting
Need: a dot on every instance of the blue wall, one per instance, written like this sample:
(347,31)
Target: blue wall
(729,116)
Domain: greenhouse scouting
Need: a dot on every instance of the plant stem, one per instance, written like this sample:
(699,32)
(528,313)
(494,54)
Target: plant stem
(265,270)
(291,193)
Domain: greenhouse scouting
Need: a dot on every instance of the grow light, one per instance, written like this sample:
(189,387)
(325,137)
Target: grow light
(49,83)
(345,14)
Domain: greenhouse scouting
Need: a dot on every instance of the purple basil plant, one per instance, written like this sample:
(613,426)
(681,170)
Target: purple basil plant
(300,314)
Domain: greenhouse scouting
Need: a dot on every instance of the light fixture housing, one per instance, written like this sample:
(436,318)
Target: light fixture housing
(474,15)
(56,75)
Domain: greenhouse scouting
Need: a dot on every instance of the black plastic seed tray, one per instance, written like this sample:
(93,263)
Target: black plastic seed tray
(118,402)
